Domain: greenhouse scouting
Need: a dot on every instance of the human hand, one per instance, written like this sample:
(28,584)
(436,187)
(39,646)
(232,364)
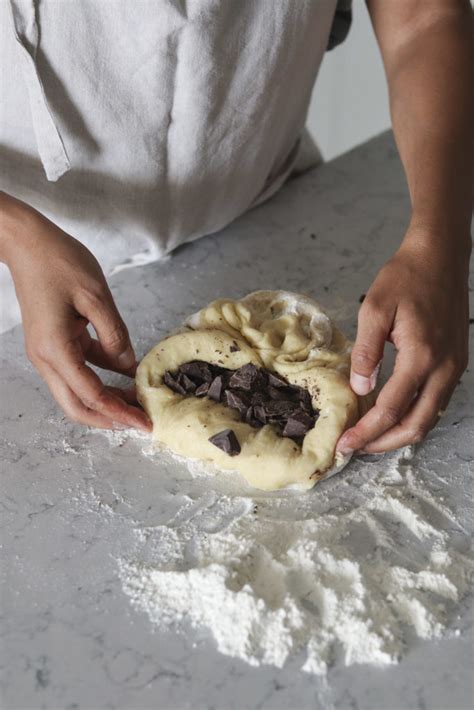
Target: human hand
(419,302)
(61,289)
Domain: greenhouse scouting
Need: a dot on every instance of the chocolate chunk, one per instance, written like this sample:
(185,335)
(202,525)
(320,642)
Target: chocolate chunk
(305,400)
(276,381)
(276,410)
(260,414)
(202,390)
(226,375)
(215,389)
(251,419)
(234,347)
(288,393)
(198,371)
(227,441)
(187,383)
(257,398)
(298,424)
(245,377)
(173,384)
(276,392)
(237,400)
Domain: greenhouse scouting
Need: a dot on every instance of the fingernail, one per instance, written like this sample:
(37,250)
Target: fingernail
(145,425)
(360,384)
(344,446)
(374,376)
(345,450)
(127,358)
(147,428)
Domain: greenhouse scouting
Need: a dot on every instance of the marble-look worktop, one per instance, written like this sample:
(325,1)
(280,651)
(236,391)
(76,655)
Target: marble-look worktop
(69,636)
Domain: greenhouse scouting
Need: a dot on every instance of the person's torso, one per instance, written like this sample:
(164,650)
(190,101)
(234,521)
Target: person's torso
(156,121)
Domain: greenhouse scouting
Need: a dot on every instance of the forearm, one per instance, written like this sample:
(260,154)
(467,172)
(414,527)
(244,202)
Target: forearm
(429,62)
(18,227)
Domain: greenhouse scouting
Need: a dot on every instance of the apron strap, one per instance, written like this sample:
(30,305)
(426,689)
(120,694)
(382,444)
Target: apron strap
(48,139)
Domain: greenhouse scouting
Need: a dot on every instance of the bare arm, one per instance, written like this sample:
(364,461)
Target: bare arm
(419,299)
(61,289)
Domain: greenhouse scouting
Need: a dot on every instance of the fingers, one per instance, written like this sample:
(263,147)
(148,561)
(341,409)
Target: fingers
(91,391)
(407,408)
(94,353)
(116,351)
(419,420)
(128,395)
(71,405)
(374,326)
(68,363)
(392,402)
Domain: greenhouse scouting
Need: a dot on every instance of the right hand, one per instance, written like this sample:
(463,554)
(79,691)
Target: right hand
(61,289)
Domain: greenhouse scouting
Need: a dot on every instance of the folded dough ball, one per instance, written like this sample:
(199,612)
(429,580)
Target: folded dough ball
(277,332)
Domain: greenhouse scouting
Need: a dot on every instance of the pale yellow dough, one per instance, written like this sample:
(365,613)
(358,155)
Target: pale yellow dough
(283,332)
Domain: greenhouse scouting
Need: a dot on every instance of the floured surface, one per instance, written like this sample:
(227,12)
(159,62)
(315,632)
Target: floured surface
(77,506)
(270,578)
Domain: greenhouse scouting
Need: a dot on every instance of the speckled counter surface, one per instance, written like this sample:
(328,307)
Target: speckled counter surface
(69,636)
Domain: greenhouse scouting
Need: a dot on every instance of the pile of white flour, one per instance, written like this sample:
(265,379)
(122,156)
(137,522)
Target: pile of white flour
(352,572)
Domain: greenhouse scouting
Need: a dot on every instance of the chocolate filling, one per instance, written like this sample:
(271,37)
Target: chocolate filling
(258,395)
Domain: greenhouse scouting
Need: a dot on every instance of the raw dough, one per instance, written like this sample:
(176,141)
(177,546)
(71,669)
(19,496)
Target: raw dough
(283,332)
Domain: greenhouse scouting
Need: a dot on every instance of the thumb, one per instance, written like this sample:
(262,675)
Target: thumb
(111,331)
(367,352)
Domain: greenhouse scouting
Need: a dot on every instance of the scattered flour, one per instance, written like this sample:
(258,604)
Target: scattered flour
(268,577)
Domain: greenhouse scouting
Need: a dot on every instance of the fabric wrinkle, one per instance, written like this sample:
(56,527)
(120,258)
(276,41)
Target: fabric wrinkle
(50,144)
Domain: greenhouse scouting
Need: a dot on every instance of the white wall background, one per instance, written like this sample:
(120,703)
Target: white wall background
(349,103)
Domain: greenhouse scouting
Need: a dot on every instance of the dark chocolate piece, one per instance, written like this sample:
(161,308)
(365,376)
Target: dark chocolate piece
(277,410)
(237,400)
(298,424)
(187,383)
(276,392)
(259,396)
(170,382)
(305,400)
(198,371)
(245,377)
(276,380)
(227,441)
(202,390)
(260,413)
(251,419)
(215,389)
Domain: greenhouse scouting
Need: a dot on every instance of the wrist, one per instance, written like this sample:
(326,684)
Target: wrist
(17,222)
(453,239)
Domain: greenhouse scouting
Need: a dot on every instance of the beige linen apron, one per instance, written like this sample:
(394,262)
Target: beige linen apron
(138,125)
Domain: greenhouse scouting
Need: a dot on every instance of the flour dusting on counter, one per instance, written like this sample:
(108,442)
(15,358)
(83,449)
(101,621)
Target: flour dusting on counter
(268,577)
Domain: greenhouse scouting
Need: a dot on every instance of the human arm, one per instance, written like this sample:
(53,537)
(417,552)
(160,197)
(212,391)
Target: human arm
(419,299)
(61,289)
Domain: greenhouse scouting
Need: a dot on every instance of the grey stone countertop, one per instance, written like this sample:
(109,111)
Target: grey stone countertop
(71,496)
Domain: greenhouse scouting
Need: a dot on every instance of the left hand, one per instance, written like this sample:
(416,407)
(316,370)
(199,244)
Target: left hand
(419,302)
